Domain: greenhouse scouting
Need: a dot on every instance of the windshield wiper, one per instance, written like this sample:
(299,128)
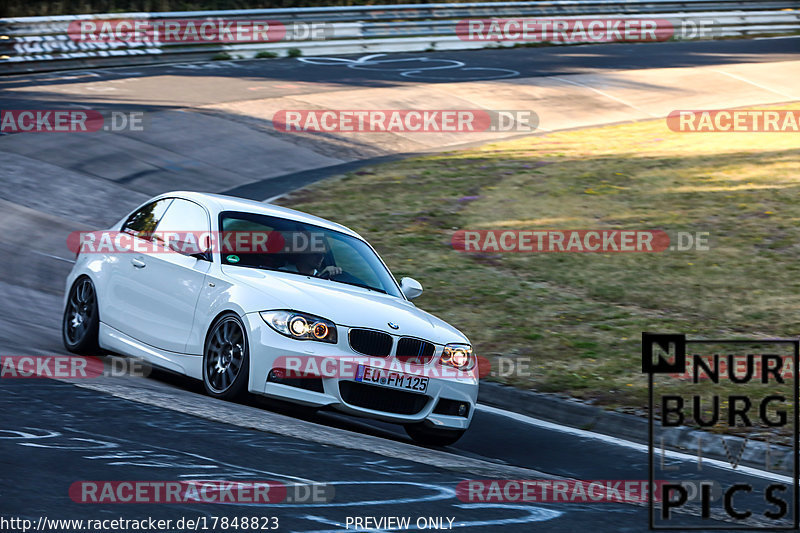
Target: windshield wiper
(362,285)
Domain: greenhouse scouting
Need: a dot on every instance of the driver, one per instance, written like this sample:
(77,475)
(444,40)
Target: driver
(310,264)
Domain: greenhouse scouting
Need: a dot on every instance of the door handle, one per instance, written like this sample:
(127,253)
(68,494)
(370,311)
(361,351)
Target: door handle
(138,263)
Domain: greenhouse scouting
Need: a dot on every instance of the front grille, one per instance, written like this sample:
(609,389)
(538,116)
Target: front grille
(371,342)
(381,398)
(410,350)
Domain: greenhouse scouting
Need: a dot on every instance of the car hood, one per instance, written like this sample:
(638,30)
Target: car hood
(345,305)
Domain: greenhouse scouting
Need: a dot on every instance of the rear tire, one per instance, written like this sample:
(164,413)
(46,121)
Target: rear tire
(226,359)
(427,436)
(81,322)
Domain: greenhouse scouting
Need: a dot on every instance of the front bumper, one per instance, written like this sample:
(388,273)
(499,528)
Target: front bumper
(269,349)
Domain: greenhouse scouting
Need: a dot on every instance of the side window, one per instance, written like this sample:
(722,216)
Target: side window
(185,226)
(143,222)
(232,226)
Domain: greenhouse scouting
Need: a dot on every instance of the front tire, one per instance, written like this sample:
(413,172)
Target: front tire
(427,436)
(226,359)
(81,322)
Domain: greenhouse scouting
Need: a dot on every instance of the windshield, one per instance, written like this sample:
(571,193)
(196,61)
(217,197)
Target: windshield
(273,243)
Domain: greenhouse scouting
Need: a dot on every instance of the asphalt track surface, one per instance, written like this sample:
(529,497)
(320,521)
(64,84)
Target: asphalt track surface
(237,80)
(54,434)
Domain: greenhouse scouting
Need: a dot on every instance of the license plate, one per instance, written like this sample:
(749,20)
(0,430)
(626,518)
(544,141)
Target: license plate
(391,379)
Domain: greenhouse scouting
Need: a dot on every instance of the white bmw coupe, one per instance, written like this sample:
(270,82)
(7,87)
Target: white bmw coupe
(251,297)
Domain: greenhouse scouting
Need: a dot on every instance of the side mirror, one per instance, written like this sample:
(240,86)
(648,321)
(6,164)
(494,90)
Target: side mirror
(410,287)
(202,256)
(205,245)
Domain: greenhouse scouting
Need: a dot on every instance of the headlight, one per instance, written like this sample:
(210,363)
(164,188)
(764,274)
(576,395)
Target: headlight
(458,356)
(301,326)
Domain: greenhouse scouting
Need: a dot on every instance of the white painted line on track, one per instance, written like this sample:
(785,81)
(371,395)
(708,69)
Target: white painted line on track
(215,462)
(776,37)
(53,256)
(754,84)
(603,93)
(616,441)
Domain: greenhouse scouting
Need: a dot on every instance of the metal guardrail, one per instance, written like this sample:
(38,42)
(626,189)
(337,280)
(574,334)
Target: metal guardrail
(34,44)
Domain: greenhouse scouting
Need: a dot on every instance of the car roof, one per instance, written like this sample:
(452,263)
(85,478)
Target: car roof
(220,202)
